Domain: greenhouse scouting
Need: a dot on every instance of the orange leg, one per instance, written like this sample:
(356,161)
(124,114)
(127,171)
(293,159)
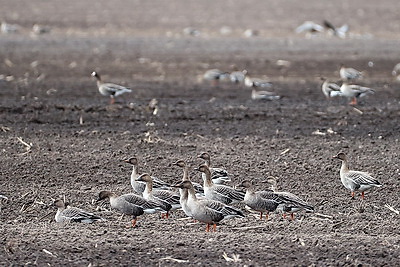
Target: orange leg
(266,216)
(215,227)
(165,215)
(354,101)
(292,216)
(362,195)
(352,194)
(208,227)
(134,222)
(261,214)
(284,215)
(112,101)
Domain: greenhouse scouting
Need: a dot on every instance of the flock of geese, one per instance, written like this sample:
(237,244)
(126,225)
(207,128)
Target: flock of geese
(330,89)
(209,203)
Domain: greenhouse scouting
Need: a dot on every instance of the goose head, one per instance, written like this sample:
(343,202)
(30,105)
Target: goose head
(145,177)
(132,161)
(180,163)
(184,185)
(104,195)
(340,156)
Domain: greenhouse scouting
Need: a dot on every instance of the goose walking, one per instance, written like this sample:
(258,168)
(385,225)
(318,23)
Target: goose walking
(354,92)
(218,175)
(355,180)
(139,186)
(237,76)
(289,202)
(205,210)
(261,201)
(130,204)
(168,200)
(72,214)
(219,192)
(110,89)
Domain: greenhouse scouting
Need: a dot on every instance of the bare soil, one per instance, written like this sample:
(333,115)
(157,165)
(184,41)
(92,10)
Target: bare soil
(74,140)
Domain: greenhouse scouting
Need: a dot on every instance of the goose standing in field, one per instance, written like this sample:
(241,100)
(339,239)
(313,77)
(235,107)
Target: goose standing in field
(182,164)
(330,89)
(340,32)
(110,89)
(205,210)
(354,92)
(349,74)
(167,199)
(130,204)
(138,186)
(289,202)
(355,180)
(261,201)
(219,192)
(72,214)
(218,175)
(215,75)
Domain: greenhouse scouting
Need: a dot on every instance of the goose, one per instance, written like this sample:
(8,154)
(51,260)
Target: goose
(237,76)
(289,202)
(219,192)
(40,29)
(110,89)
(349,74)
(339,32)
(130,204)
(396,70)
(182,164)
(263,95)
(261,201)
(354,91)
(218,175)
(330,89)
(168,200)
(256,82)
(9,28)
(138,186)
(72,214)
(207,211)
(215,75)
(355,180)
(309,27)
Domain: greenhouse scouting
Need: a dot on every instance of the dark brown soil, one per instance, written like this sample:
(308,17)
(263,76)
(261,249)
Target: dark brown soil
(76,140)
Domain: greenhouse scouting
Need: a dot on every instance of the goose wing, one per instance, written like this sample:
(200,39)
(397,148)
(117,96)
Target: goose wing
(225,210)
(167,196)
(292,201)
(115,89)
(361,178)
(229,193)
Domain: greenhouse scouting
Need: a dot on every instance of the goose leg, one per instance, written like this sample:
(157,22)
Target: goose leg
(215,227)
(208,227)
(354,101)
(352,194)
(292,216)
(362,195)
(261,214)
(134,222)
(112,101)
(266,216)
